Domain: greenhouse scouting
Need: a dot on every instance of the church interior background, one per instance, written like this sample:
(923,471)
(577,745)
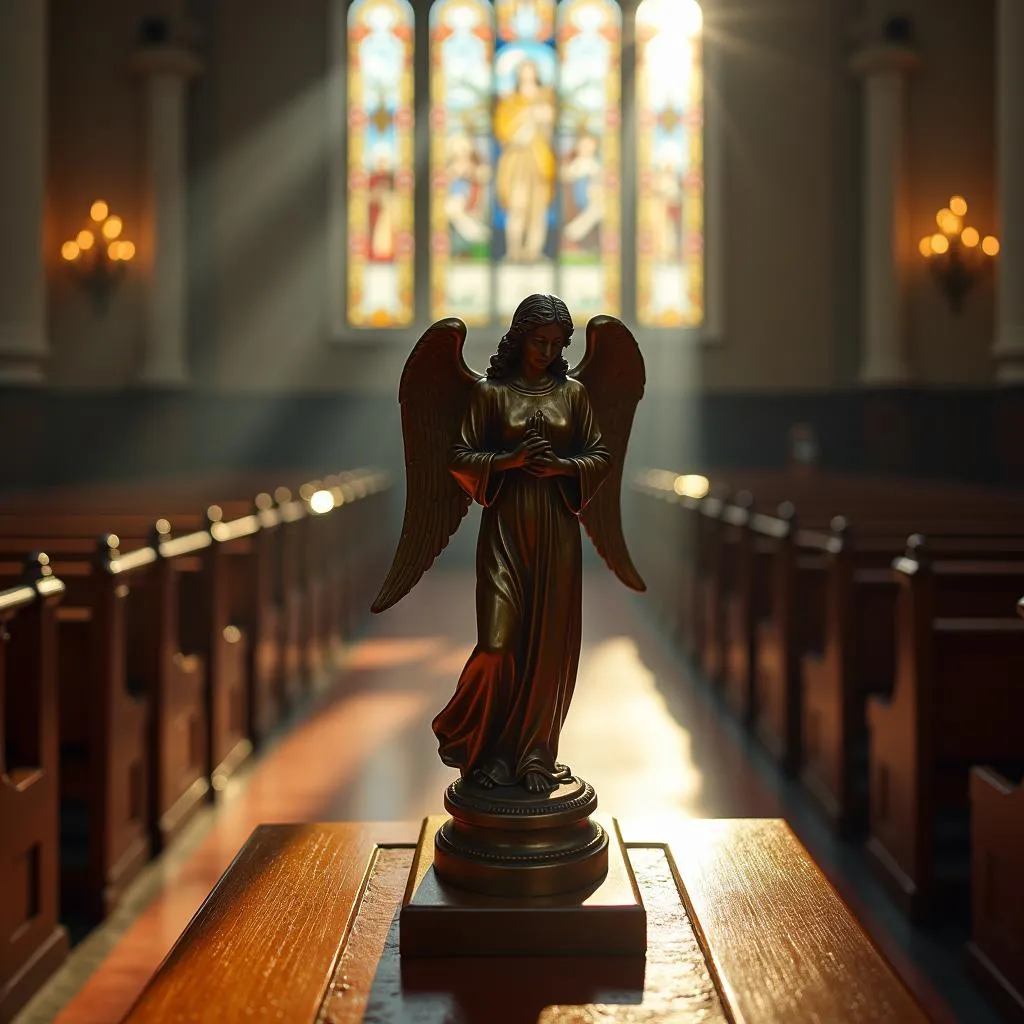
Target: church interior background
(226,224)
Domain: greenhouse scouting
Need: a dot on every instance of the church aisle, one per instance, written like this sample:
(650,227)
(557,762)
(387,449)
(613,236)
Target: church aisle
(639,730)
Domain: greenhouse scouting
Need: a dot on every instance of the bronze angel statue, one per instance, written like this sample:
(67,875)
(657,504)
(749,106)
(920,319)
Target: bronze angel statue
(524,441)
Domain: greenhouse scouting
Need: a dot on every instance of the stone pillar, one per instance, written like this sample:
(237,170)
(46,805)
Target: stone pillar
(1008,351)
(167,70)
(24,347)
(884,68)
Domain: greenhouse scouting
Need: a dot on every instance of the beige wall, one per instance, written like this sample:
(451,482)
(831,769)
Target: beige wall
(95,151)
(260,171)
(790,111)
(952,150)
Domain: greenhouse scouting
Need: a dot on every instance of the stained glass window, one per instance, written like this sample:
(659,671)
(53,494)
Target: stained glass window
(670,181)
(527,169)
(380,163)
(589,141)
(461,207)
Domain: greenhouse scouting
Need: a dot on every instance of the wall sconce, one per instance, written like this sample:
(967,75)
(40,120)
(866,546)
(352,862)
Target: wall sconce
(98,253)
(957,253)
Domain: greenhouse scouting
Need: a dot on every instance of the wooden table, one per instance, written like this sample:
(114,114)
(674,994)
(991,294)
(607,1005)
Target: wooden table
(742,927)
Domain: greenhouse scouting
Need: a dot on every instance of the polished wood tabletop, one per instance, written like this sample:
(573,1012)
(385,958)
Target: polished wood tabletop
(742,926)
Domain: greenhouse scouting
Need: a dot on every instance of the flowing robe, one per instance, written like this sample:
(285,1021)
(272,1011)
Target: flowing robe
(527,165)
(512,697)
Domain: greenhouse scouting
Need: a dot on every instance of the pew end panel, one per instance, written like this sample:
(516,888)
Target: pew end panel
(729,592)
(925,737)
(682,593)
(794,627)
(321,567)
(290,599)
(858,660)
(712,587)
(748,605)
(251,588)
(216,626)
(33,942)
(328,565)
(752,606)
(105,755)
(174,677)
(995,953)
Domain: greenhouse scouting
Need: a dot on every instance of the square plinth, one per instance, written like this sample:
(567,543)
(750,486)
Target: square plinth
(441,920)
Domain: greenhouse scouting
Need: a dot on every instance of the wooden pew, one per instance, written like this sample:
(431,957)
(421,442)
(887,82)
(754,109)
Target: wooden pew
(159,662)
(249,615)
(32,942)
(756,592)
(355,561)
(216,605)
(291,598)
(790,623)
(811,662)
(225,618)
(303,615)
(190,507)
(133,712)
(660,536)
(858,660)
(327,552)
(774,616)
(366,560)
(734,538)
(792,631)
(725,577)
(719,533)
(333,548)
(995,953)
(106,836)
(325,562)
(956,702)
(264,630)
(287,582)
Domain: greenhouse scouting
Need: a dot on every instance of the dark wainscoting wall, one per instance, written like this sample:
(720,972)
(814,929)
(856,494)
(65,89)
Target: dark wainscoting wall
(50,437)
(973,436)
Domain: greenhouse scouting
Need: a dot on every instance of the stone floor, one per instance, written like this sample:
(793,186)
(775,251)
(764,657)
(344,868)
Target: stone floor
(641,729)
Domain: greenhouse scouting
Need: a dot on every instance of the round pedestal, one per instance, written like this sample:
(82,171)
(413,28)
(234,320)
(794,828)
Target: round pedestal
(507,842)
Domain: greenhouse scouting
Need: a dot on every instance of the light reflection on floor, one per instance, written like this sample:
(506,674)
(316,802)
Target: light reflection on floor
(622,739)
(387,652)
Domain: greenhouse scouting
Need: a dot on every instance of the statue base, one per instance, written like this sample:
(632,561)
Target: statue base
(526,876)
(508,842)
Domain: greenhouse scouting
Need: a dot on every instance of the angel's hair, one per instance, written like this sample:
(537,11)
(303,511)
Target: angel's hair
(533,312)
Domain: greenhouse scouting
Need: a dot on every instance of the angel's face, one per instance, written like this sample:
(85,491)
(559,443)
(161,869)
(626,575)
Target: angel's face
(542,346)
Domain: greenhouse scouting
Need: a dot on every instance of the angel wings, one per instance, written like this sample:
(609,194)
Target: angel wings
(433,395)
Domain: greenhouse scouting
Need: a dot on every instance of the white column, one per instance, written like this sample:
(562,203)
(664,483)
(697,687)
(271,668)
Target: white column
(884,68)
(167,71)
(24,346)
(1008,351)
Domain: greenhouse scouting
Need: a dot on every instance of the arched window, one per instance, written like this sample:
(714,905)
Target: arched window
(669,164)
(381,244)
(461,173)
(537,172)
